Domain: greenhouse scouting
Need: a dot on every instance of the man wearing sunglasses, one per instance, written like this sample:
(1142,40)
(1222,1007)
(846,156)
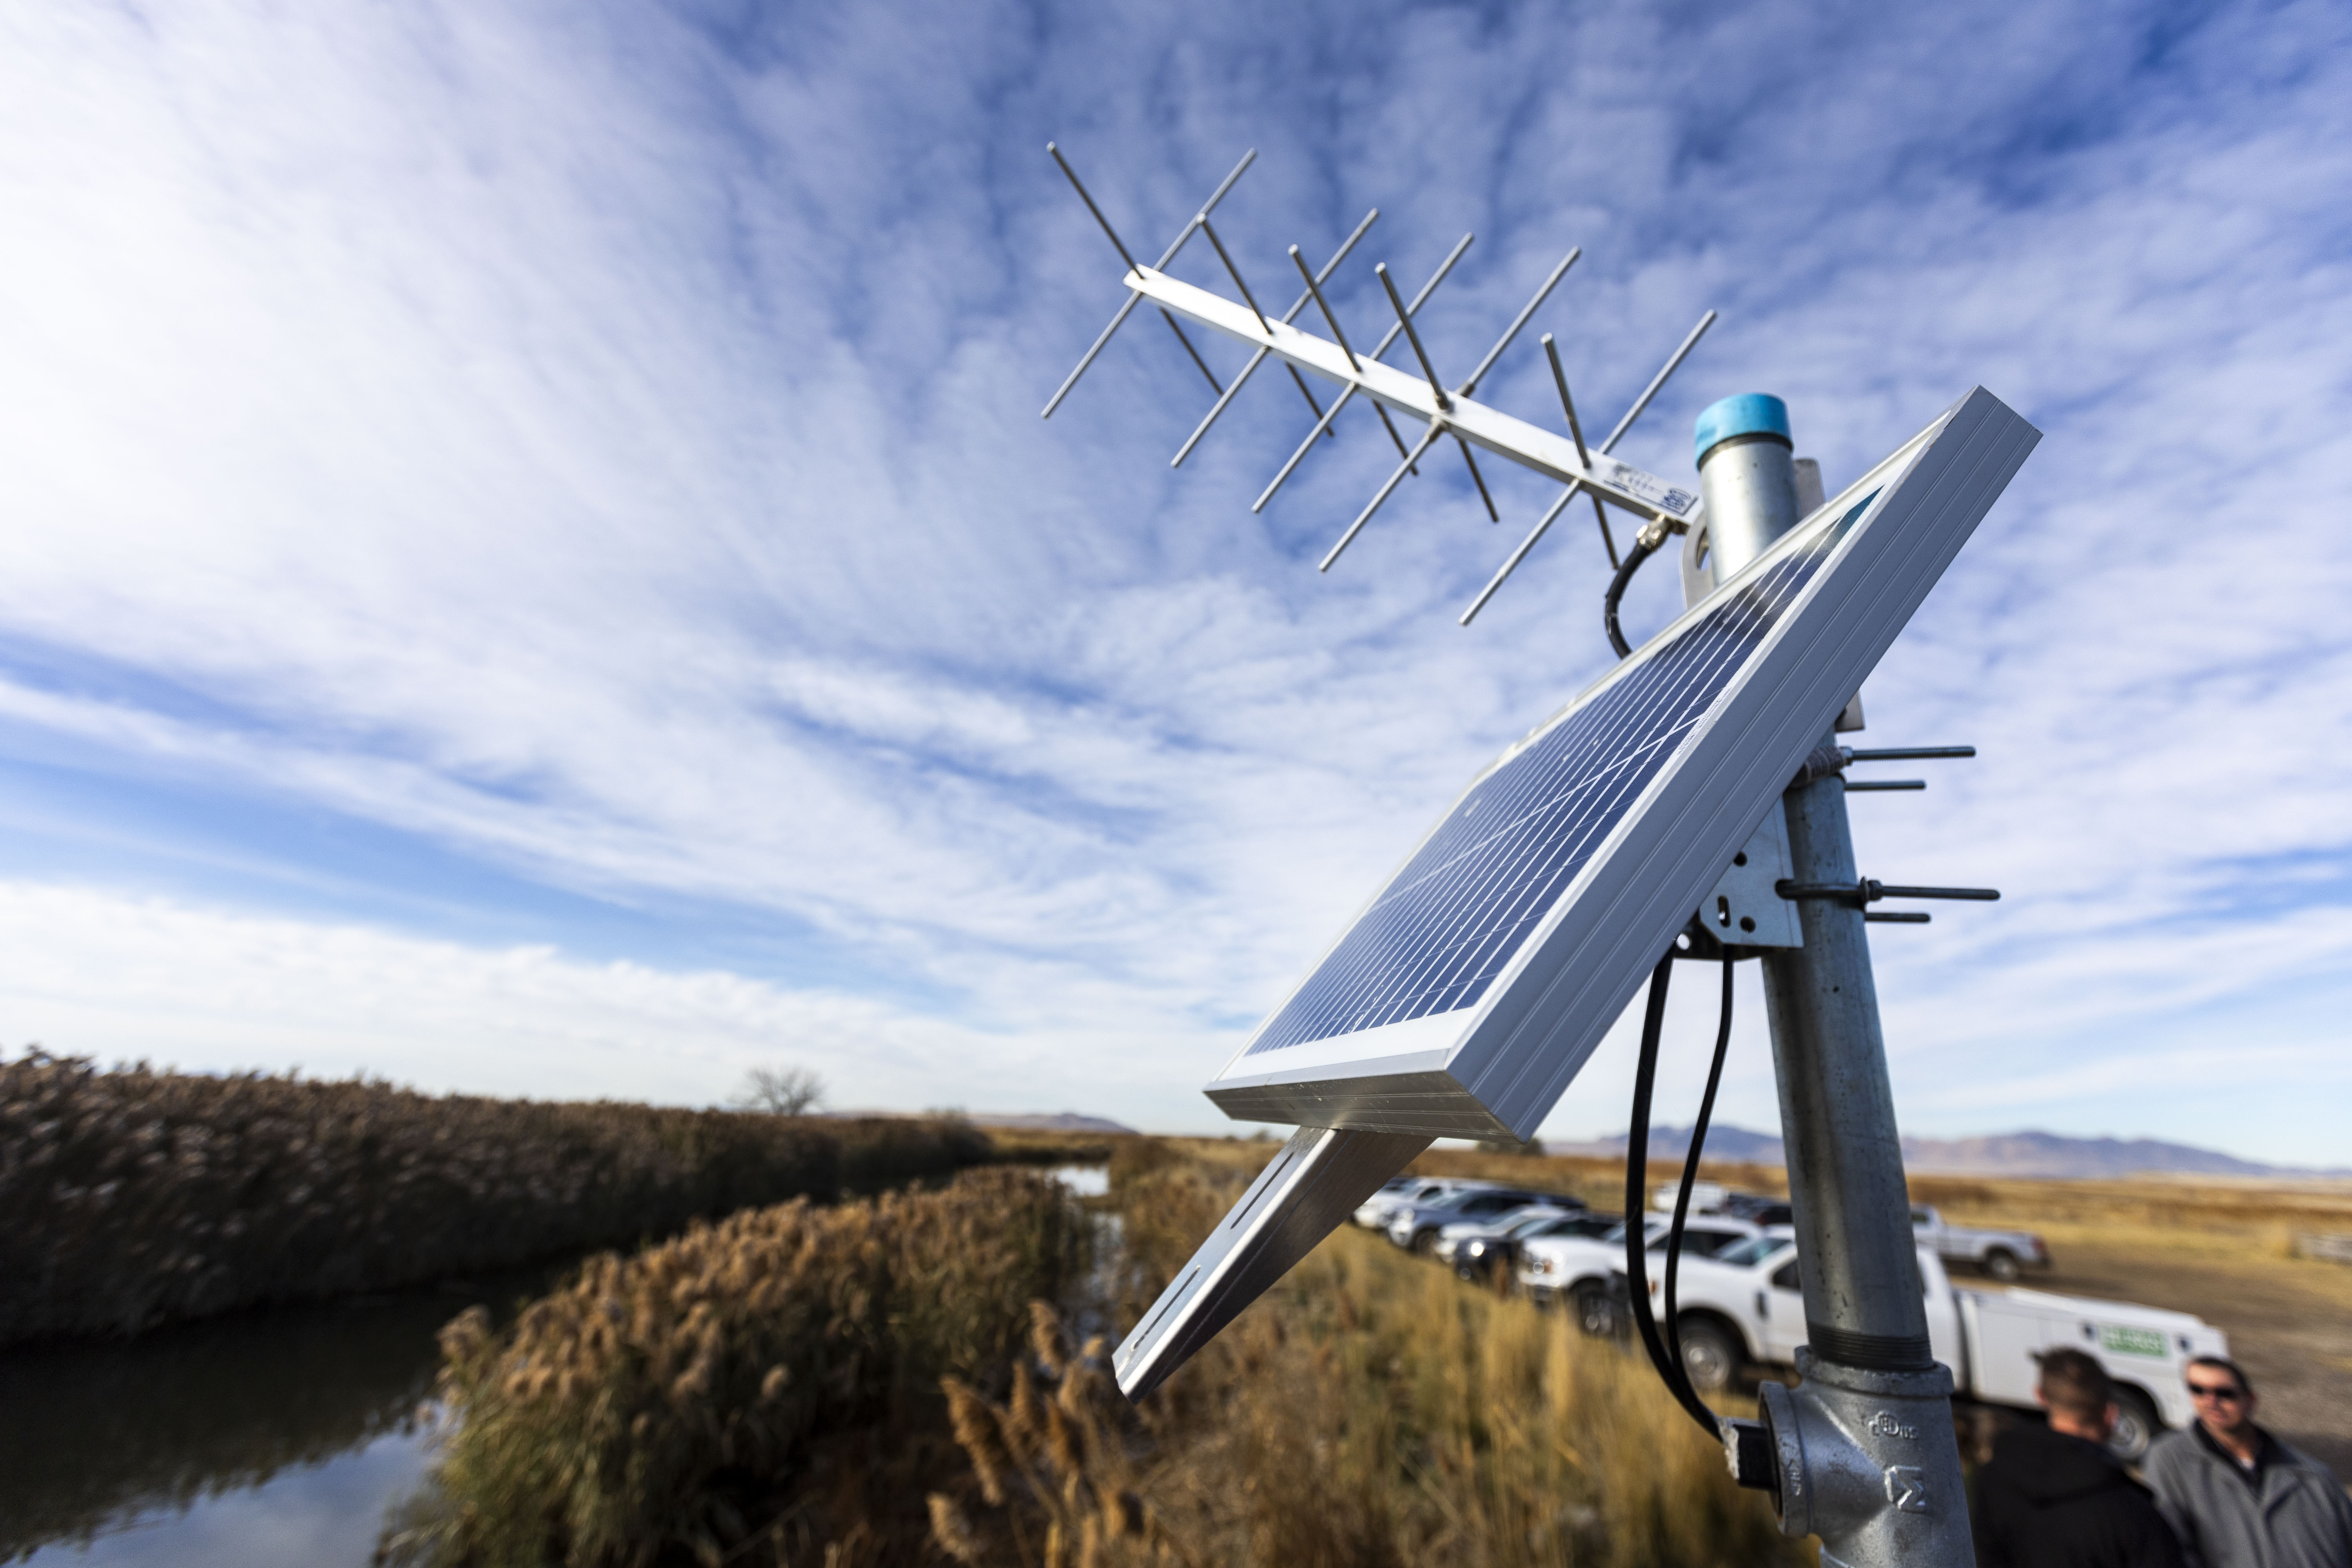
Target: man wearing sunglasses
(2237,1496)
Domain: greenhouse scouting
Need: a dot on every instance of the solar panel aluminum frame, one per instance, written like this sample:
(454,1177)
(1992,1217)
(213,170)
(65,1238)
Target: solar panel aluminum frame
(1497,1067)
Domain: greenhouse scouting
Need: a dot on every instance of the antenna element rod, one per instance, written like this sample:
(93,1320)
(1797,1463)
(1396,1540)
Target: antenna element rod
(1479,479)
(1559,272)
(1387,339)
(1567,404)
(1428,435)
(1109,232)
(1207,207)
(1404,316)
(1520,555)
(1072,379)
(1120,245)
(1247,298)
(1315,287)
(1259,357)
(1188,349)
(1251,300)
(1600,512)
(1166,257)
(1338,335)
(1656,382)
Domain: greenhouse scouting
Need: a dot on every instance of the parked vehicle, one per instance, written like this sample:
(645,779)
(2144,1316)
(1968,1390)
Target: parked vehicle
(1745,1304)
(1577,1269)
(1765,1212)
(1715,1198)
(1375,1212)
(2003,1254)
(1416,1224)
(1475,1248)
(1707,1197)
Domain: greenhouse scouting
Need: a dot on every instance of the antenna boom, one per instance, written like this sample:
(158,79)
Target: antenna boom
(1530,446)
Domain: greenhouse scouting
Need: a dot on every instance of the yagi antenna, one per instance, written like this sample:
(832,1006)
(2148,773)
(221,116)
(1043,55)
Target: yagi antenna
(1441,412)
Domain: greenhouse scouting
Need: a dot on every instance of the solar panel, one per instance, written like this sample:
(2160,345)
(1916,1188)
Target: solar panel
(1467,993)
(1438,934)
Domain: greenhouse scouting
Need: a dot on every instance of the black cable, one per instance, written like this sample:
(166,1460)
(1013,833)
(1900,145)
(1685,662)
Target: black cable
(1641,552)
(1637,1161)
(1671,1371)
(1690,1169)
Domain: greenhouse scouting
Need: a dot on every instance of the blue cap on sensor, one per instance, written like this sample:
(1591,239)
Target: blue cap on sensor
(1745,414)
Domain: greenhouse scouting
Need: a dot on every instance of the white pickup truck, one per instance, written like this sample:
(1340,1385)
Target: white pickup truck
(2002,1254)
(1744,1304)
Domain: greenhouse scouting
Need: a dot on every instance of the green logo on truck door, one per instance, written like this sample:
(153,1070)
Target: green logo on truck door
(2131,1341)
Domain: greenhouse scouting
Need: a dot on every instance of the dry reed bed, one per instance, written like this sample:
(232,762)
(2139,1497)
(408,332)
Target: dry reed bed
(763,1388)
(768,1391)
(1369,1411)
(136,1197)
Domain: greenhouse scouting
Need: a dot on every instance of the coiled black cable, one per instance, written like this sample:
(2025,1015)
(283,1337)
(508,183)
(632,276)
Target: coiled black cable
(1666,1348)
(1643,550)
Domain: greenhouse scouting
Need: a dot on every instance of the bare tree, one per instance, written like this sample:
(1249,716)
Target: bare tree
(782,1092)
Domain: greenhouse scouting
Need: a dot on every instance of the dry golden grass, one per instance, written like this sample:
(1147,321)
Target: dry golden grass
(768,1387)
(1045,1146)
(136,1197)
(1369,1411)
(2161,1204)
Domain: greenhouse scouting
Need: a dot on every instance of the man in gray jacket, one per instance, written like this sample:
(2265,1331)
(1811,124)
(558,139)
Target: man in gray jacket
(2237,1496)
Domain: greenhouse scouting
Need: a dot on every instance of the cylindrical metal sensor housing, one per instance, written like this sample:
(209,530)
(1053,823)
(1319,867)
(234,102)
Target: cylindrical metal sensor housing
(1747,473)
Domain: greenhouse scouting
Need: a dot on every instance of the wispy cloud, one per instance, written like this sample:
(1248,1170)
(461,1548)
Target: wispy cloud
(603,447)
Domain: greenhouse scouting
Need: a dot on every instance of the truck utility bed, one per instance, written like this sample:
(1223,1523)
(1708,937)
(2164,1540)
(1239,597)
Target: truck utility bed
(2145,1347)
(1746,1302)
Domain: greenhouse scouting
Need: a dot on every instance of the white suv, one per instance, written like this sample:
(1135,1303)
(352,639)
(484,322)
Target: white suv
(1416,1224)
(1577,1267)
(1375,1212)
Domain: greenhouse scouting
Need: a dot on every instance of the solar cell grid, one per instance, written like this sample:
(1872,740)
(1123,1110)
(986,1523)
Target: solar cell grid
(1448,924)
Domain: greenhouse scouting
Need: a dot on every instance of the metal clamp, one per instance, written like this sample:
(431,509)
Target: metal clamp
(1823,761)
(1869,891)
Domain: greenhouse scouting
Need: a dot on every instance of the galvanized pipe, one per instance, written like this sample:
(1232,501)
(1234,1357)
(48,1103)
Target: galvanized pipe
(1860,1274)
(1865,1316)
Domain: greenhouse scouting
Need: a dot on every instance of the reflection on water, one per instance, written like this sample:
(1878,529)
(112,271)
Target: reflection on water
(323,1514)
(1083,1180)
(266,1438)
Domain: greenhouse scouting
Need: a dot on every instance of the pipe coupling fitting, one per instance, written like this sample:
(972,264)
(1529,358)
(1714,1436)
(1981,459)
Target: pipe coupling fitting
(1869,1462)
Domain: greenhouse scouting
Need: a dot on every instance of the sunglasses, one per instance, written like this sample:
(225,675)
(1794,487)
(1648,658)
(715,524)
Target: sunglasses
(2212,1391)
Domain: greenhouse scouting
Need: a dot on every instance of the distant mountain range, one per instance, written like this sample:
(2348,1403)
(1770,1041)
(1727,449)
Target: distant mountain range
(1054,1121)
(1035,1121)
(2026,1153)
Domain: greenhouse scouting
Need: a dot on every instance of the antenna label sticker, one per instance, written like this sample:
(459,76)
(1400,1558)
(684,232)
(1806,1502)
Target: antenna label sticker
(1653,490)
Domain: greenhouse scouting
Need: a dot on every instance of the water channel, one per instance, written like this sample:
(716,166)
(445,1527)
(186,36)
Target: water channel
(269,1439)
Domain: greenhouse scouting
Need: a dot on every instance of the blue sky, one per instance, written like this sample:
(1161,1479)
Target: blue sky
(532,563)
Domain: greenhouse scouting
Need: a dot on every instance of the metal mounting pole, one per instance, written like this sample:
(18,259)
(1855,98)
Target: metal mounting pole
(1863,1449)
